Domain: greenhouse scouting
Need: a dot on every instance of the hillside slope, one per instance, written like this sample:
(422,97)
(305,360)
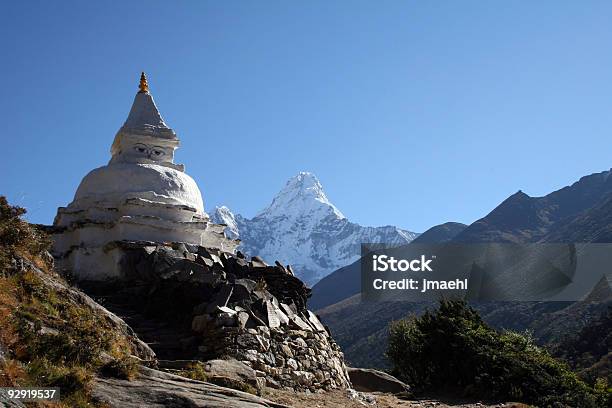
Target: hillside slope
(581,212)
(54,335)
(346,281)
(521,218)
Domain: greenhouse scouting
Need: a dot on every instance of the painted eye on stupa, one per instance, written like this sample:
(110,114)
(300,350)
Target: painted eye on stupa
(158,151)
(140,148)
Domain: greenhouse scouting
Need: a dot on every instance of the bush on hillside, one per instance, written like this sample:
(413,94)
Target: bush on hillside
(18,237)
(451,349)
(590,350)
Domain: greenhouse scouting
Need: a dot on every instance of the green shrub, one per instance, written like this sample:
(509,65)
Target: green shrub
(233,384)
(195,371)
(451,349)
(125,369)
(589,351)
(18,236)
(49,374)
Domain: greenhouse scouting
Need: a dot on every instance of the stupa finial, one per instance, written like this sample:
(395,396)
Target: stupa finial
(144,86)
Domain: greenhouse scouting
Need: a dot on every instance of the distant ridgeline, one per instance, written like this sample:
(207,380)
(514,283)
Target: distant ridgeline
(580,213)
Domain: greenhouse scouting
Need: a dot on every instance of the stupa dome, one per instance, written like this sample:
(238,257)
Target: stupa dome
(140,195)
(147,182)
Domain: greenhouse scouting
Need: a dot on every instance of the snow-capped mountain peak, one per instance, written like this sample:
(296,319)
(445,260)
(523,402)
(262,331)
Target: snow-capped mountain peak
(301,227)
(302,195)
(224,215)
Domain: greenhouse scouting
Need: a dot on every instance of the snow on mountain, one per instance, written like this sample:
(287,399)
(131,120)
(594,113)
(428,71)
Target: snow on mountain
(303,228)
(302,195)
(224,215)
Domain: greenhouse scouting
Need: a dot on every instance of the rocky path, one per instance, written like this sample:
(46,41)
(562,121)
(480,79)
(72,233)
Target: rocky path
(350,399)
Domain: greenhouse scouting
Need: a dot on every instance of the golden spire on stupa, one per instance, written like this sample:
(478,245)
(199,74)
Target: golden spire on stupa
(144,86)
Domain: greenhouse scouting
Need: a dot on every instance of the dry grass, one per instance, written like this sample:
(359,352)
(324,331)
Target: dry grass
(8,304)
(11,373)
(50,340)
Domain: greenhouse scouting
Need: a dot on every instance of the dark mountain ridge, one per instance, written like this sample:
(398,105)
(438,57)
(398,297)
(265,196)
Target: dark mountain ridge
(440,233)
(346,282)
(521,218)
(581,212)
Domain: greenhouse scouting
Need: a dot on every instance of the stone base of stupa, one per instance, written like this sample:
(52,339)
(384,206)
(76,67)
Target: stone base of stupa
(203,304)
(88,250)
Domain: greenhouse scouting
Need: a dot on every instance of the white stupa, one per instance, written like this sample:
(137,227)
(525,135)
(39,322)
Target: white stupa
(141,195)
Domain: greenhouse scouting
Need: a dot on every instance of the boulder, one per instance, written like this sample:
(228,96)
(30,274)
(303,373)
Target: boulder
(232,370)
(156,389)
(370,380)
(302,377)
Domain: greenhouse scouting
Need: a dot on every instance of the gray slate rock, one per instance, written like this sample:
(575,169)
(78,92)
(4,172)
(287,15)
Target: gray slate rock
(156,389)
(232,369)
(369,380)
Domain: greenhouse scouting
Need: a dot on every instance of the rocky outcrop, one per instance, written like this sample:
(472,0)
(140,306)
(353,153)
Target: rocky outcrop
(218,304)
(369,380)
(232,371)
(155,389)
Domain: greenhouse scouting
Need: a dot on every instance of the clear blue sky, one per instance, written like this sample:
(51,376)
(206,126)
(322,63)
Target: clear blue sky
(410,113)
